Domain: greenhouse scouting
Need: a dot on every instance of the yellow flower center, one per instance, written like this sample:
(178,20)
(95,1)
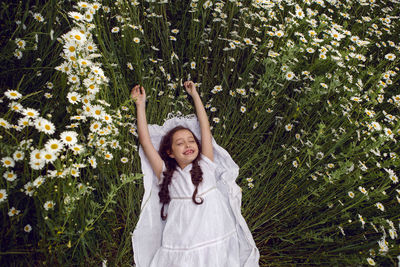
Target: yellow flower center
(68,138)
(54,146)
(47,127)
(78,37)
(7,162)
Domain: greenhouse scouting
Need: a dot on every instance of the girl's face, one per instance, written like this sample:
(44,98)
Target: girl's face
(184,148)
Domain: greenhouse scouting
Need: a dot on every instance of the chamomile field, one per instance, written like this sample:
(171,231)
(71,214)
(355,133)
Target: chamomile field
(303,94)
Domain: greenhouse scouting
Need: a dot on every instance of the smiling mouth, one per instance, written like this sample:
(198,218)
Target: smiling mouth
(189,152)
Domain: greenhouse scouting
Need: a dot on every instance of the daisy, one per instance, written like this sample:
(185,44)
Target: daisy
(20,43)
(247,41)
(5,123)
(45,126)
(29,189)
(77,148)
(108,155)
(376,126)
(27,228)
(13,211)
(351,194)
(15,106)
(106,118)
(54,145)
(97,111)
(216,120)
(3,195)
(69,137)
(10,176)
(124,159)
(74,172)
(73,97)
(380,206)
(30,113)
(388,132)
(136,40)
(390,56)
(288,127)
(77,36)
(8,162)
(38,181)
(75,15)
(115,30)
(243,109)
(38,17)
(295,163)
(279,34)
(289,75)
(193,65)
(49,205)
(49,156)
(18,155)
(12,94)
(371,261)
(88,16)
(92,161)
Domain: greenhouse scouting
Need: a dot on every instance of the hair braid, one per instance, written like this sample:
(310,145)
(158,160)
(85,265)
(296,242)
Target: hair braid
(197,177)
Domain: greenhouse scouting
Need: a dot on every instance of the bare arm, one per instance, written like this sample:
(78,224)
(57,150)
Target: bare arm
(206,136)
(139,95)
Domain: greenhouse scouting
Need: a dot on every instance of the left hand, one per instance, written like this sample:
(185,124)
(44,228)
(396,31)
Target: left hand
(190,87)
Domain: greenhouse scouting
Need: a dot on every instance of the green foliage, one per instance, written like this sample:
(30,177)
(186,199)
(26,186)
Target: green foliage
(309,116)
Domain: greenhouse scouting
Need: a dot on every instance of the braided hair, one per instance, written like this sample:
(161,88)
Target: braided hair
(170,164)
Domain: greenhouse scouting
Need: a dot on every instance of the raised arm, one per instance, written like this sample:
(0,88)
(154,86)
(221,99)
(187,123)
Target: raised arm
(206,136)
(139,95)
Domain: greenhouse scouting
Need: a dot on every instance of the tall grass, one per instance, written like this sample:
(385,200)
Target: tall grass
(301,93)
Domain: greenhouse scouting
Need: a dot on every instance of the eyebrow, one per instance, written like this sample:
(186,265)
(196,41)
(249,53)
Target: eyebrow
(191,137)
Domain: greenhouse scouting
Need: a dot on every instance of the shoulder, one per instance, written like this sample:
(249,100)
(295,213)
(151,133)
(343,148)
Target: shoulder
(208,162)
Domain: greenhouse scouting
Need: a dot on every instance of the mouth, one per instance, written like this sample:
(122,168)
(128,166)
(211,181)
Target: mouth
(188,152)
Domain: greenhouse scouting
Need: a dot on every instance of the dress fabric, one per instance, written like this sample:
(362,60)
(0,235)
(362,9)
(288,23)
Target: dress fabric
(197,235)
(192,236)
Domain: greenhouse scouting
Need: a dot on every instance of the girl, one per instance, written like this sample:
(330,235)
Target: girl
(199,222)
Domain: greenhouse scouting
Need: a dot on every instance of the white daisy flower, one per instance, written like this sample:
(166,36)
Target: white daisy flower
(49,156)
(390,56)
(54,145)
(45,126)
(289,75)
(10,176)
(18,155)
(13,211)
(380,206)
(108,155)
(3,195)
(27,228)
(12,94)
(124,159)
(8,162)
(73,97)
(49,205)
(288,127)
(92,161)
(69,137)
(4,123)
(29,188)
(30,113)
(77,148)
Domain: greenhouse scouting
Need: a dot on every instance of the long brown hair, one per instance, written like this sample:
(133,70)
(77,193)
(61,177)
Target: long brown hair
(170,164)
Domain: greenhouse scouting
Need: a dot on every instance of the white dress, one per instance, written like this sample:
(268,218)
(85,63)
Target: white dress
(197,235)
(193,235)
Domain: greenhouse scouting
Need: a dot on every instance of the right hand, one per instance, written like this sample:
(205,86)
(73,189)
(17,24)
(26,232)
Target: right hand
(138,94)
